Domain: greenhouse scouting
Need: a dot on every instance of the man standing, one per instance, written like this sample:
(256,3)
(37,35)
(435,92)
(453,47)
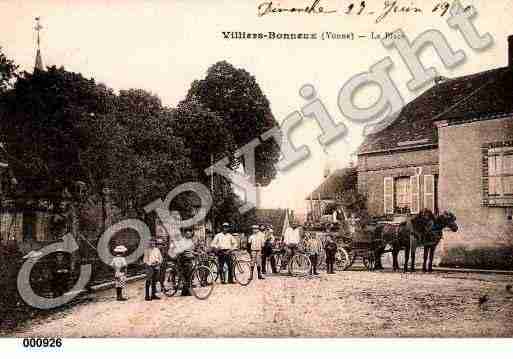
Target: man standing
(163,245)
(291,239)
(256,242)
(224,242)
(267,251)
(185,257)
(152,260)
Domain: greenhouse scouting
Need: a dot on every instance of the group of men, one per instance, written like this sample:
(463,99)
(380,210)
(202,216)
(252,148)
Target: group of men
(261,245)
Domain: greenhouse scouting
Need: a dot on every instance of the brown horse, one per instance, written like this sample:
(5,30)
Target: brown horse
(424,230)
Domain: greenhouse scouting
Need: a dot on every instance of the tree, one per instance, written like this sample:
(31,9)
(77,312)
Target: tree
(8,71)
(64,128)
(235,96)
(348,198)
(161,161)
(205,134)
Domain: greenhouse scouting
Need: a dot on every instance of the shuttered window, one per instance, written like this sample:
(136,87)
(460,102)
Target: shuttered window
(500,171)
(415,194)
(388,195)
(429,192)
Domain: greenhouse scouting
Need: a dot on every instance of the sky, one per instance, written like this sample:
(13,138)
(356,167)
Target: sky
(162,46)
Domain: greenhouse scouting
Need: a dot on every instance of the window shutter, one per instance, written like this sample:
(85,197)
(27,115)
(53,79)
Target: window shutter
(429,192)
(388,195)
(415,196)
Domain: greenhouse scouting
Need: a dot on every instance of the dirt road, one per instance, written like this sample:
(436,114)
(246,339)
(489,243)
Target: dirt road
(353,303)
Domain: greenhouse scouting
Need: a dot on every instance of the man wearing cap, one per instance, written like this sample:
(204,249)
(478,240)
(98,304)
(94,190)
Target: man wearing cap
(185,258)
(152,259)
(223,243)
(256,243)
(267,251)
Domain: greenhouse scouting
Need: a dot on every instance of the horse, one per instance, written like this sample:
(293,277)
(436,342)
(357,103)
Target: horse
(424,229)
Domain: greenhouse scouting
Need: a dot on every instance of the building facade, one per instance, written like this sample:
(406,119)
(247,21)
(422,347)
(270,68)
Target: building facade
(450,149)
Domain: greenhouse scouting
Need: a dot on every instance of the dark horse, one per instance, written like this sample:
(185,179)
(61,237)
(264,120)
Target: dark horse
(424,230)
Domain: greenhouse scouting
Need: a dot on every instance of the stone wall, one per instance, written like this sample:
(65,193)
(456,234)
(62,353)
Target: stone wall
(482,228)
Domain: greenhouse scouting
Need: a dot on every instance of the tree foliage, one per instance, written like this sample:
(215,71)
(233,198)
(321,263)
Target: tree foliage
(8,71)
(64,128)
(235,96)
(348,197)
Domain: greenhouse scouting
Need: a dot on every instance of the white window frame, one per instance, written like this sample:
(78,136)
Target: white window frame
(414,195)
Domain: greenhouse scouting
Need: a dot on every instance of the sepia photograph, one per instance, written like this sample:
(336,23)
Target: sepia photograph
(255,169)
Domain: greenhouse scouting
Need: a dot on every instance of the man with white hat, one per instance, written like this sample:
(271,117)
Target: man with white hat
(223,243)
(256,242)
(291,239)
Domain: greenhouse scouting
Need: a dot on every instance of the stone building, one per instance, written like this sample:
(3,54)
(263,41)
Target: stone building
(449,149)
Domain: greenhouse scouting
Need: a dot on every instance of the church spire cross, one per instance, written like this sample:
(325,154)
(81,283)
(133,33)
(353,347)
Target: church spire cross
(39,60)
(38,28)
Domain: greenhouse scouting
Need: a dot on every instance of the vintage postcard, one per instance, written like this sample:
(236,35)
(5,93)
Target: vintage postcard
(252,168)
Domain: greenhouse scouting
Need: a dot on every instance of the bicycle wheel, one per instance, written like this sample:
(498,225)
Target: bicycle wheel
(300,265)
(342,260)
(242,272)
(202,282)
(171,283)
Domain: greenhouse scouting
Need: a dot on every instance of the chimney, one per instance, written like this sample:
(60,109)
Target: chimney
(510,51)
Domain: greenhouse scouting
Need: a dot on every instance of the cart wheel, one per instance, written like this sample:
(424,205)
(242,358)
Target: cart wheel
(202,282)
(171,283)
(342,260)
(369,262)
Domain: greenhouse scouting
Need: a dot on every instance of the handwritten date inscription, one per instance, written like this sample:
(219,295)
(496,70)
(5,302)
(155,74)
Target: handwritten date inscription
(381,11)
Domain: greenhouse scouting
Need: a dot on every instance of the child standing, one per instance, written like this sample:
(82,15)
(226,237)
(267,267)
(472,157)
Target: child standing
(119,264)
(330,246)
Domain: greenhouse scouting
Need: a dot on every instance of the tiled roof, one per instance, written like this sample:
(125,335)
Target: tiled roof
(330,186)
(495,99)
(460,98)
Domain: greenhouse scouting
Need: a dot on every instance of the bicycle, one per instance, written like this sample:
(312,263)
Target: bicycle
(298,265)
(208,259)
(201,280)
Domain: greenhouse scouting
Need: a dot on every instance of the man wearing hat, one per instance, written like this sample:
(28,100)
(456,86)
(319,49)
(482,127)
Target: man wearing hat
(256,243)
(223,243)
(152,259)
(119,265)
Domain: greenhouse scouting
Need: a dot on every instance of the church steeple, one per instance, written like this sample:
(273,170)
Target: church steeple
(39,59)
